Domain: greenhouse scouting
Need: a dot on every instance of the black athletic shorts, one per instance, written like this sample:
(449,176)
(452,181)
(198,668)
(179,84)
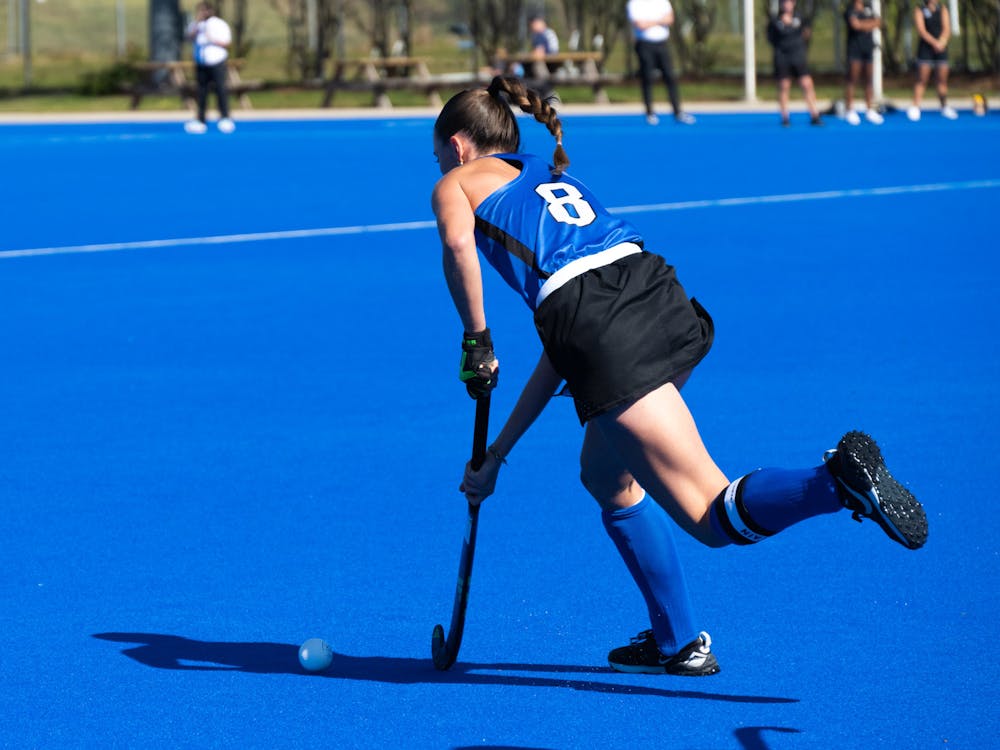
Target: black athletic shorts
(927,55)
(790,65)
(860,49)
(620,331)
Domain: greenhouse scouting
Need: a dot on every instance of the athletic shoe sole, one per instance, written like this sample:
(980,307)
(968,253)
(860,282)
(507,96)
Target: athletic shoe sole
(709,667)
(691,661)
(861,471)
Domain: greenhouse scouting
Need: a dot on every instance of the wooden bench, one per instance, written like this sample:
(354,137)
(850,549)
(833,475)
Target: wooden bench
(178,76)
(381,75)
(572,68)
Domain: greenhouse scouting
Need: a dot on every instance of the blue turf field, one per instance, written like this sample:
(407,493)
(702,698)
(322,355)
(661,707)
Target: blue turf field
(231,422)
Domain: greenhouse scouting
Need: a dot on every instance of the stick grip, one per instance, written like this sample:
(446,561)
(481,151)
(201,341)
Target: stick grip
(480,431)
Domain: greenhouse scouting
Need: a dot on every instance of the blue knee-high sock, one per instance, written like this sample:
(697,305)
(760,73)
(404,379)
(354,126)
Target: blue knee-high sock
(645,540)
(767,501)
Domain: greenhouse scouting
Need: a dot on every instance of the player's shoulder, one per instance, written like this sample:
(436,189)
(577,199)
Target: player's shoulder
(472,182)
(447,186)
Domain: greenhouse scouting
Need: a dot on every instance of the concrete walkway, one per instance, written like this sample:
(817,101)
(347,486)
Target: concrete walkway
(369,113)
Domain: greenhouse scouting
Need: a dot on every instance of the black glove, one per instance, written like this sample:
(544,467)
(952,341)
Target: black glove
(476,369)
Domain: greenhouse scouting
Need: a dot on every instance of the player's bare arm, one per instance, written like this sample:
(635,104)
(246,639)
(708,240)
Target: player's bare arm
(537,392)
(456,227)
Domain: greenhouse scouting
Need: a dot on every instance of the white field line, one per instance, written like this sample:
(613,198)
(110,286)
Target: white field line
(934,187)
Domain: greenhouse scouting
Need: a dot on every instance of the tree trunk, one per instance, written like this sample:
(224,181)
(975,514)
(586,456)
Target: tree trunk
(165,32)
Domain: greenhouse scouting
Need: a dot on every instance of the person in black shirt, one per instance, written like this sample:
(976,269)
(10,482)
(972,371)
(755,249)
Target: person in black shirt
(933,25)
(861,24)
(788,33)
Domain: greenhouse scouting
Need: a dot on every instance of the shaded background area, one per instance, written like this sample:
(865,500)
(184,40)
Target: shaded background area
(86,48)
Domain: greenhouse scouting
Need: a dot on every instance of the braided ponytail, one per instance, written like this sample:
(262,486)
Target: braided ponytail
(532,103)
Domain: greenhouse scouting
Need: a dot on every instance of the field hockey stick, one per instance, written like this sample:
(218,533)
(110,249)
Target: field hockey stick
(445,650)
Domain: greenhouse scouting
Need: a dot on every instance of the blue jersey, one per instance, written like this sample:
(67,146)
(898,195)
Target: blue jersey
(537,223)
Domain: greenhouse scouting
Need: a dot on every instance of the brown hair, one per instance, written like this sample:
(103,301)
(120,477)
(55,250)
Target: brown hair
(484,115)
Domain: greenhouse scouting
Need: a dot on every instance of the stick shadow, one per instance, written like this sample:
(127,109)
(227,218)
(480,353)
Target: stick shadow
(176,652)
(752,738)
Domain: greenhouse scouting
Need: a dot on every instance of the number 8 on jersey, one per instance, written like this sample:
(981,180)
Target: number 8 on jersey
(571,198)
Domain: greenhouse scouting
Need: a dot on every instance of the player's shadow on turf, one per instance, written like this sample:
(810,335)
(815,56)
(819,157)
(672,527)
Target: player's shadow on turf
(176,652)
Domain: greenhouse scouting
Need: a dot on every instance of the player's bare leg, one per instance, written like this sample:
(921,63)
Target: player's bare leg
(784,88)
(643,534)
(658,440)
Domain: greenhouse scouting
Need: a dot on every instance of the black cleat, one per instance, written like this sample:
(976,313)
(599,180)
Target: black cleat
(868,489)
(643,656)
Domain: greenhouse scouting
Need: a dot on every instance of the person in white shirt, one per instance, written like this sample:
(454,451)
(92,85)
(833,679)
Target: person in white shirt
(211,37)
(651,21)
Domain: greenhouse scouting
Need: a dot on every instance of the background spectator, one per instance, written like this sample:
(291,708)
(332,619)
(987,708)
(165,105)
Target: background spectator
(211,37)
(933,25)
(789,34)
(861,24)
(651,21)
(544,40)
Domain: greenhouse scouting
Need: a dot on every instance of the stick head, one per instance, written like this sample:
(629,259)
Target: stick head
(443,659)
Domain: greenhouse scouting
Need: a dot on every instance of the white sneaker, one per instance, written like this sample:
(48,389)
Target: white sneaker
(949,113)
(195,127)
(652,119)
(226,125)
(684,118)
(852,118)
(913,113)
(874,117)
